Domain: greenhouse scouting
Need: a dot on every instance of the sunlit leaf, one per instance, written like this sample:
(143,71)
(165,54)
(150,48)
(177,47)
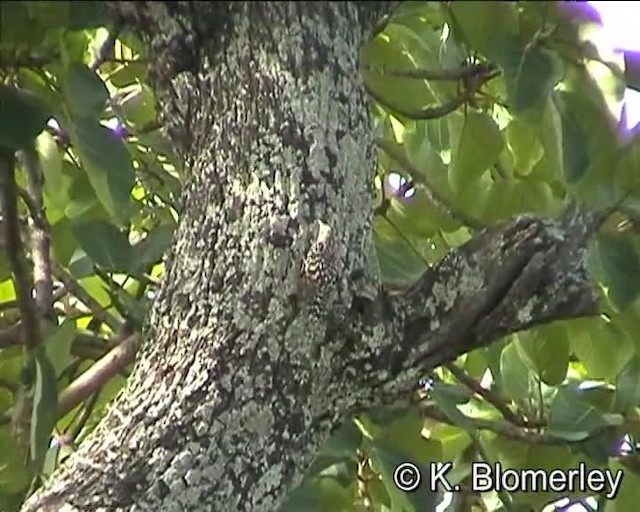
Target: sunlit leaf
(478,148)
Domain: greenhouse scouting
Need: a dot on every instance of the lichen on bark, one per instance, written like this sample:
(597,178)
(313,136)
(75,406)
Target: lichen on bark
(230,397)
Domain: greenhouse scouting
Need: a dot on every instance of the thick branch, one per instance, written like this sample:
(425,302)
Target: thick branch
(523,273)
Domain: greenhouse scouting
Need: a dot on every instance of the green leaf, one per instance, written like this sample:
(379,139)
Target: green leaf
(400,47)
(49,14)
(108,166)
(105,244)
(546,351)
(573,418)
(530,72)
(575,148)
(51,163)
(506,198)
(84,91)
(22,118)
(477,23)
(405,433)
(154,246)
(621,269)
(384,461)
(81,198)
(627,394)
(628,169)
(302,498)
(549,132)
(447,401)
(88,14)
(139,104)
(516,377)
(45,408)
(399,265)
(344,442)
(477,148)
(524,145)
(16,27)
(14,475)
(58,345)
(629,494)
(591,340)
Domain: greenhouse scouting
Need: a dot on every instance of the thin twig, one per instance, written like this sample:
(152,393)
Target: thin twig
(421,182)
(441,110)
(76,289)
(444,75)
(490,396)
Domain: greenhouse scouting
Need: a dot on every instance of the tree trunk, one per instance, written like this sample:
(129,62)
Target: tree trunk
(262,340)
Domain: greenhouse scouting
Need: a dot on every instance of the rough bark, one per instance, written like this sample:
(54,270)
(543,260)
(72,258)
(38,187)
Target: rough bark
(239,380)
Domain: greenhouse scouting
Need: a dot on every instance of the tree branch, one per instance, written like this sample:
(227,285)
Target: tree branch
(508,278)
(21,278)
(452,75)
(489,396)
(98,375)
(76,289)
(40,239)
(433,112)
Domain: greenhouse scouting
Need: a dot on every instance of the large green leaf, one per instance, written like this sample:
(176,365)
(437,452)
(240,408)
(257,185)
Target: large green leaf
(575,149)
(51,164)
(478,23)
(628,167)
(88,14)
(530,72)
(516,378)
(627,395)
(105,244)
(591,339)
(45,408)
(22,117)
(58,345)
(154,246)
(399,265)
(14,475)
(401,48)
(477,148)
(524,146)
(108,165)
(629,495)
(620,265)
(573,418)
(546,351)
(506,198)
(84,91)
(385,459)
